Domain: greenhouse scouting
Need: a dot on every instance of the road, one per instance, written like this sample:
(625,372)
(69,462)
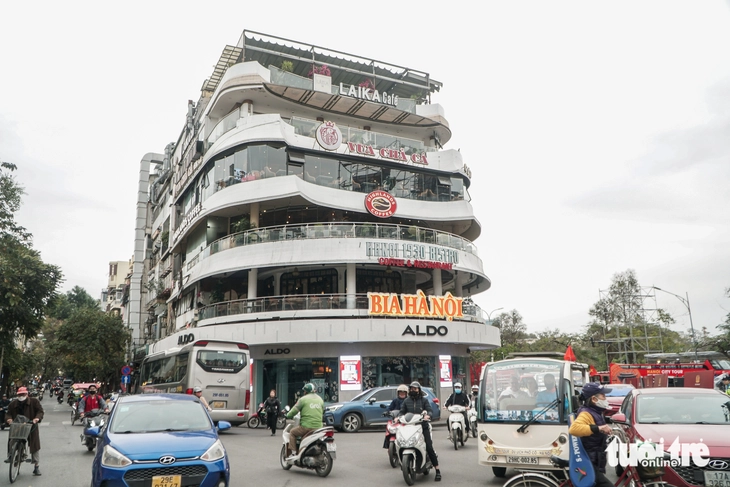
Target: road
(254,456)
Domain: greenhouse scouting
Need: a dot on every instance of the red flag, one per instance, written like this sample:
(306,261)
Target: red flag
(569,355)
(592,370)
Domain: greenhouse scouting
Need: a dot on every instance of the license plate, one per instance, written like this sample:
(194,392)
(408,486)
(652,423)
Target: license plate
(525,460)
(218,404)
(331,447)
(717,479)
(166,481)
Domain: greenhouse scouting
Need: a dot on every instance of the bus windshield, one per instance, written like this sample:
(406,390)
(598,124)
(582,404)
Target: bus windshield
(515,391)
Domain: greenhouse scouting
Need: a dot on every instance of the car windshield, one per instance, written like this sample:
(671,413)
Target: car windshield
(619,390)
(157,416)
(683,409)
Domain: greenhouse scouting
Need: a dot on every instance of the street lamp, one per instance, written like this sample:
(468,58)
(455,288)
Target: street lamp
(685,301)
(489,315)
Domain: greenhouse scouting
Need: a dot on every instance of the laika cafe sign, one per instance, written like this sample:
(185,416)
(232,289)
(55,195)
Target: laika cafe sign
(416,305)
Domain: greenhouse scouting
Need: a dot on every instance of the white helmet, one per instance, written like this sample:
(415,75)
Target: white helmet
(197,389)
(457,385)
(475,388)
(402,388)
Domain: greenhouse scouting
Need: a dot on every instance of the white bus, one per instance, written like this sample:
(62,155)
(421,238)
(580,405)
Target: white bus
(220,368)
(522,422)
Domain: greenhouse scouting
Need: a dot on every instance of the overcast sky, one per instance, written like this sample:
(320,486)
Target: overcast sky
(598,133)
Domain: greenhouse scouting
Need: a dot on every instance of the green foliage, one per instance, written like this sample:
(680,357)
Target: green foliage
(287,66)
(66,304)
(92,344)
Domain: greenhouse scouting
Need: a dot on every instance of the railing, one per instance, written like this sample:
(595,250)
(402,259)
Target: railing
(301,302)
(313,231)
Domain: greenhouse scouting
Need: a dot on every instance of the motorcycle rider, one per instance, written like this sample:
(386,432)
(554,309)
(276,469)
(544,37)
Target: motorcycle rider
(458,398)
(3,409)
(474,393)
(395,405)
(31,408)
(590,426)
(417,403)
(724,384)
(90,401)
(272,406)
(311,408)
(198,392)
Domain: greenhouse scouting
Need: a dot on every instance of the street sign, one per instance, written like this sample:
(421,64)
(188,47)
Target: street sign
(126,370)
(125,379)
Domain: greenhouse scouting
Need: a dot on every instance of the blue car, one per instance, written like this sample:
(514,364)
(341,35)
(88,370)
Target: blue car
(365,409)
(159,440)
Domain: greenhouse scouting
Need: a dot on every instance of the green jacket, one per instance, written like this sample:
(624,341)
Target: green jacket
(311,408)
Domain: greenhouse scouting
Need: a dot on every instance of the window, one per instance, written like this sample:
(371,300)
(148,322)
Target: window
(383,395)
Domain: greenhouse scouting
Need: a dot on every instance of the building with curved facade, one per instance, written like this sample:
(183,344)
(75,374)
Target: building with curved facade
(310,209)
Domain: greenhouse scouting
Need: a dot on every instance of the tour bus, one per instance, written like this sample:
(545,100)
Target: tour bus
(220,368)
(522,422)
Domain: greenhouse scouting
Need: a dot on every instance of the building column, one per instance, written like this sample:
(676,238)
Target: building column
(459,284)
(351,288)
(437,286)
(340,281)
(253,216)
(277,284)
(253,277)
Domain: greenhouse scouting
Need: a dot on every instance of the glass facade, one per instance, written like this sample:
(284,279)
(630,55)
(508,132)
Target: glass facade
(288,376)
(388,371)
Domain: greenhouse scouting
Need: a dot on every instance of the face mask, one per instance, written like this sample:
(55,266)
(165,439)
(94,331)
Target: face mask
(602,404)
(22,398)
(414,393)
(457,391)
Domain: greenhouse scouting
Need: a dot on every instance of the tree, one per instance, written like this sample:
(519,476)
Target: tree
(92,344)
(511,327)
(721,342)
(64,305)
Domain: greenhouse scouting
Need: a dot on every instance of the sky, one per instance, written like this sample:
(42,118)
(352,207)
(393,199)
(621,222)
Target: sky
(598,133)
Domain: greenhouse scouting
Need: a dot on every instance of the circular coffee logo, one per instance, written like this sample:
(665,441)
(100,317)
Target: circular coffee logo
(380,203)
(328,136)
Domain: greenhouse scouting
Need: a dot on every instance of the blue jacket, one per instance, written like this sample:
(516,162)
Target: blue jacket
(396,404)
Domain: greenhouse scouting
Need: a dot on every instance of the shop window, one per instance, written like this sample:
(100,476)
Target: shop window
(288,376)
(392,371)
(376,281)
(309,282)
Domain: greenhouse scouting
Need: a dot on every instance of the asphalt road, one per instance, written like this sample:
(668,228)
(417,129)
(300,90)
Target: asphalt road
(254,456)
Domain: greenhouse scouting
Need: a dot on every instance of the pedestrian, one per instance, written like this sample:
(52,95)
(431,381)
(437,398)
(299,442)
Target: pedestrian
(272,407)
(198,392)
(31,408)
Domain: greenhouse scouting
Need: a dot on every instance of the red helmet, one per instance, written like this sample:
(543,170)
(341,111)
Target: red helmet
(22,390)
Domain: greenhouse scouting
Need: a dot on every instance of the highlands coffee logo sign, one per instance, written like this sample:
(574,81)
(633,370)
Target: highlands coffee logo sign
(381,204)
(415,305)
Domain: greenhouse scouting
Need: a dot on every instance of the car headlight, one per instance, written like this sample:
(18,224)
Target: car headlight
(112,458)
(215,452)
(332,409)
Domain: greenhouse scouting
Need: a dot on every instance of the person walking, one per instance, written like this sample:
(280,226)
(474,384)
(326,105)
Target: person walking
(31,408)
(272,407)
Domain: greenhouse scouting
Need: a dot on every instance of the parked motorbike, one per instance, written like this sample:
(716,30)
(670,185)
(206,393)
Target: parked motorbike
(412,447)
(457,425)
(259,417)
(472,414)
(317,450)
(390,435)
(91,418)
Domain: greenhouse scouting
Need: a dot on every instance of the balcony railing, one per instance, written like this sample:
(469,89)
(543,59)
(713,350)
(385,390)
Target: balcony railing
(385,231)
(302,302)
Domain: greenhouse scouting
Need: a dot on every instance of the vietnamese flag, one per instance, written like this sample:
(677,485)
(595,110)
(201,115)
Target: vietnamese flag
(592,370)
(569,355)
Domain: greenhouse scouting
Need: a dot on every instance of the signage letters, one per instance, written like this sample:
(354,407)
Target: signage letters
(430,331)
(416,305)
(276,351)
(185,339)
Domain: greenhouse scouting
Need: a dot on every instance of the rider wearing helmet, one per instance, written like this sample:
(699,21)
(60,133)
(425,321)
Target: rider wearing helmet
(198,392)
(724,384)
(458,398)
(417,403)
(395,405)
(311,408)
(474,393)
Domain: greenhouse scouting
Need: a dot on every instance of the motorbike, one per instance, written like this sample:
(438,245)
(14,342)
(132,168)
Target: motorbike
(92,418)
(316,451)
(412,447)
(390,435)
(74,413)
(259,417)
(457,425)
(60,398)
(472,414)
(71,398)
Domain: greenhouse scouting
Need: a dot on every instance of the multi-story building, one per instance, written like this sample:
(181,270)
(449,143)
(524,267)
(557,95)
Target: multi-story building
(113,296)
(310,209)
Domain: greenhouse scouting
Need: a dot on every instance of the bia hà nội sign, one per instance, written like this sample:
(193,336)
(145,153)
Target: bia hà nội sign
(415,305)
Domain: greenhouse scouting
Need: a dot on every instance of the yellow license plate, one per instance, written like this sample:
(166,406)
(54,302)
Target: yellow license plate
(218,404)
(166,480)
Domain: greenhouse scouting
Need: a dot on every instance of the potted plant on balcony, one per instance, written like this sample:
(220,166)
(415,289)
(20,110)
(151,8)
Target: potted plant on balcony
(367,84)
(287,66)
(324,70)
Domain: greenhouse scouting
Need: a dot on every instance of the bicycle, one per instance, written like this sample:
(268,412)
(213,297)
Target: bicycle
(20,431)
(630,477)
